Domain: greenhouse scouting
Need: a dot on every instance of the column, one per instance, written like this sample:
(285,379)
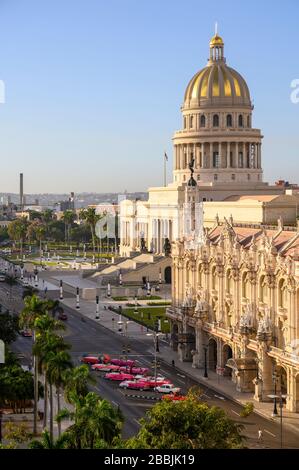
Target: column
(219,155)
(244,156)
(211,156)
(181,157)
(237,154)
(228,155)
(188,155)
(260,155)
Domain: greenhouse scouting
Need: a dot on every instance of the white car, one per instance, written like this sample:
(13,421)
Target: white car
(167,388)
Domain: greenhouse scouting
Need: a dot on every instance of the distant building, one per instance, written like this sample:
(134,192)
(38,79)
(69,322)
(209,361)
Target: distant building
(69,204)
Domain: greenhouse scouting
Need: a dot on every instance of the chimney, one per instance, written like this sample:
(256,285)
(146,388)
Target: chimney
(21,191)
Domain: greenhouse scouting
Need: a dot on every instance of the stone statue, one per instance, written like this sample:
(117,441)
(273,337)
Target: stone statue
(167,247)
(191,166)
(188,301)
(142,244)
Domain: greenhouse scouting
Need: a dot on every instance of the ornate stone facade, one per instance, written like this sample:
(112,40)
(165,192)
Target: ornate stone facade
(236,294)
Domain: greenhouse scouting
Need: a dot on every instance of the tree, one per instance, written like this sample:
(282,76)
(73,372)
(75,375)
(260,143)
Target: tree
(57,363)
(46,344)
(34,308)
(95,419)
(76,382)
(68,217)
(9,327)
(17,231)
(47,217)
(186,424)
(91,218)
(47,442)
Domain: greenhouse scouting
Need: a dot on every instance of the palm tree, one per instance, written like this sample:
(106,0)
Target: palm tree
(68,217)
(94,419)
(57,363)
(47,442)
(47,345)
(34,308)
(91,218)
(76,381)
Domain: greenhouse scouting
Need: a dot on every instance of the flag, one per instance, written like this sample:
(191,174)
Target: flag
(165,156)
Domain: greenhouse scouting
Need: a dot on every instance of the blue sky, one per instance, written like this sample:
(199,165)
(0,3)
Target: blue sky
(94,87)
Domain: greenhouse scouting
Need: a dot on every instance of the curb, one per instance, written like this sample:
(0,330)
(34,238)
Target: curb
(143,397)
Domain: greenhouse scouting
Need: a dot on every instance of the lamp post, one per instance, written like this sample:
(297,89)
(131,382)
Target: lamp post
(35,278)
(108,289)
(22,271)
(205,348)
(155,337)
(120,278)
(274,377)
(281,398)
(135,306)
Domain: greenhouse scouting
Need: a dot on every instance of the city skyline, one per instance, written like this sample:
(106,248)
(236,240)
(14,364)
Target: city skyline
(93,94)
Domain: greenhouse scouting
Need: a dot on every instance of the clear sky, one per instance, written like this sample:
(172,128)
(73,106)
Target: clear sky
(94,87)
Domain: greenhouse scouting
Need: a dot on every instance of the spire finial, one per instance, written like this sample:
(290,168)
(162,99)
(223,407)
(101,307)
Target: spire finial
(216,28)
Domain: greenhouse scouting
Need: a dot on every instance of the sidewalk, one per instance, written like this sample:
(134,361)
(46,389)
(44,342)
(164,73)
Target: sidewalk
(222,385)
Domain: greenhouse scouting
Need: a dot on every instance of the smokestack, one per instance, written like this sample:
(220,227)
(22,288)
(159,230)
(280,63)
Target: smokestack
(21,191)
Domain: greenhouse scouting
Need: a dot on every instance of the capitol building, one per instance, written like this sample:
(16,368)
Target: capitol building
(226,151)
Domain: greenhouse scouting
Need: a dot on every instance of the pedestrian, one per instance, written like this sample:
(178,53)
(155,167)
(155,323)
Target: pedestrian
(173,363)
(260,435)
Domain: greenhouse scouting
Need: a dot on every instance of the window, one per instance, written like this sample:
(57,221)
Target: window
(233,177)
(204,199)
(215,177)
(229,120)
(202,121)
(185,122)
(216,120)
(248,121)
(240,120)
(191,121)
(231,161)
(240,159)
(215,160)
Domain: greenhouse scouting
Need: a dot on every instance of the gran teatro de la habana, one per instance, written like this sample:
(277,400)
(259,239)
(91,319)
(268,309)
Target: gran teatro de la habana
(235,286)
(235,271)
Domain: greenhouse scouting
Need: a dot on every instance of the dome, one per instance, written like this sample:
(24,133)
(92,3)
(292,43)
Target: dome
(217,84)
(216,41)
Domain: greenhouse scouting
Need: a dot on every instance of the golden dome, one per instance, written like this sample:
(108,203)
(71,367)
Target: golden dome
(216,41)
(217,84)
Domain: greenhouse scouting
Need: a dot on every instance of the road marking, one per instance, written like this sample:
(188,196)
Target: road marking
(182,381)
(116,404)
(271,434)
(136,421)
(220,398)
(233,411)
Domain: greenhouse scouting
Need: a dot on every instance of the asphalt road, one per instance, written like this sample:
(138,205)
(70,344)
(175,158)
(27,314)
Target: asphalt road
(90,337)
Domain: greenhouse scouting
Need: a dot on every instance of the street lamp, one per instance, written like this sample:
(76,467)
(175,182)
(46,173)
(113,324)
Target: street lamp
(77,298)
(135,307)
(155,337)
(274,377)
(60,290)
(205,348)
(281,397)
(108,289)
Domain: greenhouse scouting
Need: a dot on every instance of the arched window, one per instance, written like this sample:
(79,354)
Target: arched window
(216,120)
(191,122)
(240,120)
(202,121)
(229,120)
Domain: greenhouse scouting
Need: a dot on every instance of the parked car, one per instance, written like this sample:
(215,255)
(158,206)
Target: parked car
(62,316)
(167,388)
(174,397)
(137,385)
(105,367)
(118,376)
(90,360)
(122,362)
(154,383)
(134,370)
(26,333)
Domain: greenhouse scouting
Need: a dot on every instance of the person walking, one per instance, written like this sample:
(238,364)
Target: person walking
(260,435)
